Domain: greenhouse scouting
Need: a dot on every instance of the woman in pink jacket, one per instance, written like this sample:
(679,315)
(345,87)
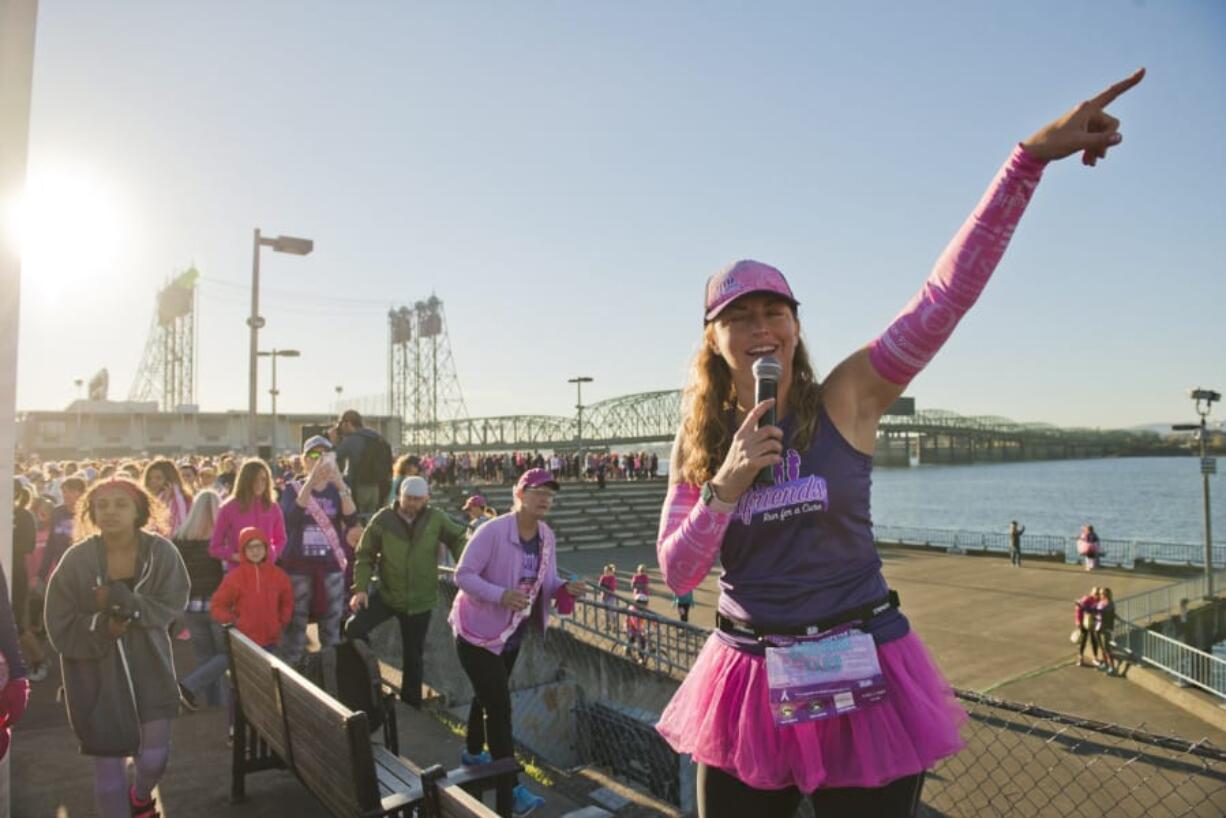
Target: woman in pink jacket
(250,506)
(507,577)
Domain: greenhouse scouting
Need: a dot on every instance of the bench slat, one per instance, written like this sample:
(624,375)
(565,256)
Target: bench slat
(393,774)
(330,747)
(453,802)
(255,682)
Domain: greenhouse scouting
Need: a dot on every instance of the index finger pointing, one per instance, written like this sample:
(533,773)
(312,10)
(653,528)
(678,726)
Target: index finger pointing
(1111,94)
(755,414)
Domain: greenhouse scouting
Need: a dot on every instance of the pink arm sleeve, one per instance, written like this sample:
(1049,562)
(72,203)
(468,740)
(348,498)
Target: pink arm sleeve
(690,537)
(961,272)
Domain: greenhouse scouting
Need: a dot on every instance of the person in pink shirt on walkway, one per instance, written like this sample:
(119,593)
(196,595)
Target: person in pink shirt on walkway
(251,505)
(507,578)
(640,583)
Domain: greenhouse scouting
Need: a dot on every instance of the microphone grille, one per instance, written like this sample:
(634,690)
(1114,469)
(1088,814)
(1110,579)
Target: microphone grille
(767,368)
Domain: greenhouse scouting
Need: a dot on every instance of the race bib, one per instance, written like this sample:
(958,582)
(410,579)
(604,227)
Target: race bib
(818,677)
(315,542)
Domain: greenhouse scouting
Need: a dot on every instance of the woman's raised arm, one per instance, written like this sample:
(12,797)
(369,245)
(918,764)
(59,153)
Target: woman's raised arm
(858,392)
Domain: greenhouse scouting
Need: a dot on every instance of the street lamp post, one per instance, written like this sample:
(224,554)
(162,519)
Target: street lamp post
(281,244)
(79,382)
(275,354)
(579,381)
(339,389)
(1205,398)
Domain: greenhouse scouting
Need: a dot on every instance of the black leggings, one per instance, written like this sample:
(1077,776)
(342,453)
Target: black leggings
(722,795)
(490,711)
(1094,646)
(413,628)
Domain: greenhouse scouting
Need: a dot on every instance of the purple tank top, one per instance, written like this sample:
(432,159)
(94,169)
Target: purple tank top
(802,550)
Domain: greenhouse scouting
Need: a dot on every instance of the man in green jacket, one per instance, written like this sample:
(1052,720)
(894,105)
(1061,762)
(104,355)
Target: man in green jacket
(403,541)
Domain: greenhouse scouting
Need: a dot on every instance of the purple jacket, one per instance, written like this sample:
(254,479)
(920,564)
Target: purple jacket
(489,566)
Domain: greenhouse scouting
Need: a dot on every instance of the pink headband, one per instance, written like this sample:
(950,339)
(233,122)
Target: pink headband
(133,490)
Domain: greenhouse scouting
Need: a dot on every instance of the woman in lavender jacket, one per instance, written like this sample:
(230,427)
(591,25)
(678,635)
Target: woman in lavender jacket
(507,577)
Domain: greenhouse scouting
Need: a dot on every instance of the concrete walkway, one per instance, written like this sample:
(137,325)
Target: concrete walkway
(50,779)
(990,626)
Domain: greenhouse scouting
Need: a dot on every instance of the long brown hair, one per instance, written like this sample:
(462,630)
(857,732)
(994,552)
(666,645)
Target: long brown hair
(709,408)
(170,473)
(244,491)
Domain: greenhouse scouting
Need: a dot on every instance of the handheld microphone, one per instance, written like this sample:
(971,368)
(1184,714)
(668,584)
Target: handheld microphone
(766,372)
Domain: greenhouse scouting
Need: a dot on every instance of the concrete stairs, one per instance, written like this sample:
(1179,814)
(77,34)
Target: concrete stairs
(583,516)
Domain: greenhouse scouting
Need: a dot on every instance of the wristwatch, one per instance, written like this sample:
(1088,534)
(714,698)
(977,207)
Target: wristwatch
(712,501)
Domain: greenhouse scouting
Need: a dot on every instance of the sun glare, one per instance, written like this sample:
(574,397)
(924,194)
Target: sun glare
(69,226)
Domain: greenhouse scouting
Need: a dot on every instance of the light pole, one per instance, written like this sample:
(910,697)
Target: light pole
(579,381)
(275,354)
(339,389)
(1205,398)
(281,244)
(79,382)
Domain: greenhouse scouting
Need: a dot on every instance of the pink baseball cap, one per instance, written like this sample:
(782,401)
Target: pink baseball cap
(742,278)
(537,477)
(475,500)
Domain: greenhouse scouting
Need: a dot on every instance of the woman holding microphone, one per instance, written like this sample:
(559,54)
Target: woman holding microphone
(814,684)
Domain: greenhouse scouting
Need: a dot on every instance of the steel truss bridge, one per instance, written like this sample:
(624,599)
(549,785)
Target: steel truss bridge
(935,435)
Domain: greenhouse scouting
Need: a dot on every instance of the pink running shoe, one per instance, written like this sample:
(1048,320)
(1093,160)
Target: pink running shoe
(142,809)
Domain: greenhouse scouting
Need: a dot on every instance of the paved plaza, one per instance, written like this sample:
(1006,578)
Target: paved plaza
(991,627)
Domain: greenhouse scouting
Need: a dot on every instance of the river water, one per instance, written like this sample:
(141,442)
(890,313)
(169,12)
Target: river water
(1143,498)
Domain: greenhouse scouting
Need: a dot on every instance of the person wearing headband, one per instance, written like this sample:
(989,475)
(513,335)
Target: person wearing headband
(814,684)
(109,606)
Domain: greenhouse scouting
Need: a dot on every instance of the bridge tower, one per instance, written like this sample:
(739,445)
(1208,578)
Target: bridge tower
(400,327)
(167,371)
(423,387)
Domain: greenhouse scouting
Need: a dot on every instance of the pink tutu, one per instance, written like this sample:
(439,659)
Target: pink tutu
(721,717)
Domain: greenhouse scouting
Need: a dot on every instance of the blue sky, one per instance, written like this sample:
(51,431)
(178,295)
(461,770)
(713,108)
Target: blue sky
(565,176)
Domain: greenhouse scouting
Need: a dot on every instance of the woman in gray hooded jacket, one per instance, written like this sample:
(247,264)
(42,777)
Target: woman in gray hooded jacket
(109,605)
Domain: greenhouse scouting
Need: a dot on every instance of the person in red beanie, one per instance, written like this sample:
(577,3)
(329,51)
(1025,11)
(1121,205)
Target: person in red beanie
(256,597)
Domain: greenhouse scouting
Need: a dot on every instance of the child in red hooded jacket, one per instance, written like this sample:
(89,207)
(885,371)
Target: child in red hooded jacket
(256,597)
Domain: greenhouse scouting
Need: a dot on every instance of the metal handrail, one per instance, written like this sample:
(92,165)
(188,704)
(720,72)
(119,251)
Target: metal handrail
(1144,607)
(1117,552)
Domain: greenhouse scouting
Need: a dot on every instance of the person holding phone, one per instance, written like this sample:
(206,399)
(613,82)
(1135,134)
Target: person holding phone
(317,511)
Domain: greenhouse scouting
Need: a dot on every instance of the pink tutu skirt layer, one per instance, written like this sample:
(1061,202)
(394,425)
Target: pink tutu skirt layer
(720,716)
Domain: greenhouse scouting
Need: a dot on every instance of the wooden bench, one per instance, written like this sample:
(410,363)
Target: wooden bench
(282,720)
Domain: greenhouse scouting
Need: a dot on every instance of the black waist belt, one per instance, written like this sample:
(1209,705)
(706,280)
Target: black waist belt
(862,613)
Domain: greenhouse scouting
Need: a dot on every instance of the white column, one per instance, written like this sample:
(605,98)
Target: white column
(17,19)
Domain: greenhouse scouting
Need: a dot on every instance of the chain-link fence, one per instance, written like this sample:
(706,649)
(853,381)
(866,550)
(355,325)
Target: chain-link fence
(1022,760)
(591,691)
